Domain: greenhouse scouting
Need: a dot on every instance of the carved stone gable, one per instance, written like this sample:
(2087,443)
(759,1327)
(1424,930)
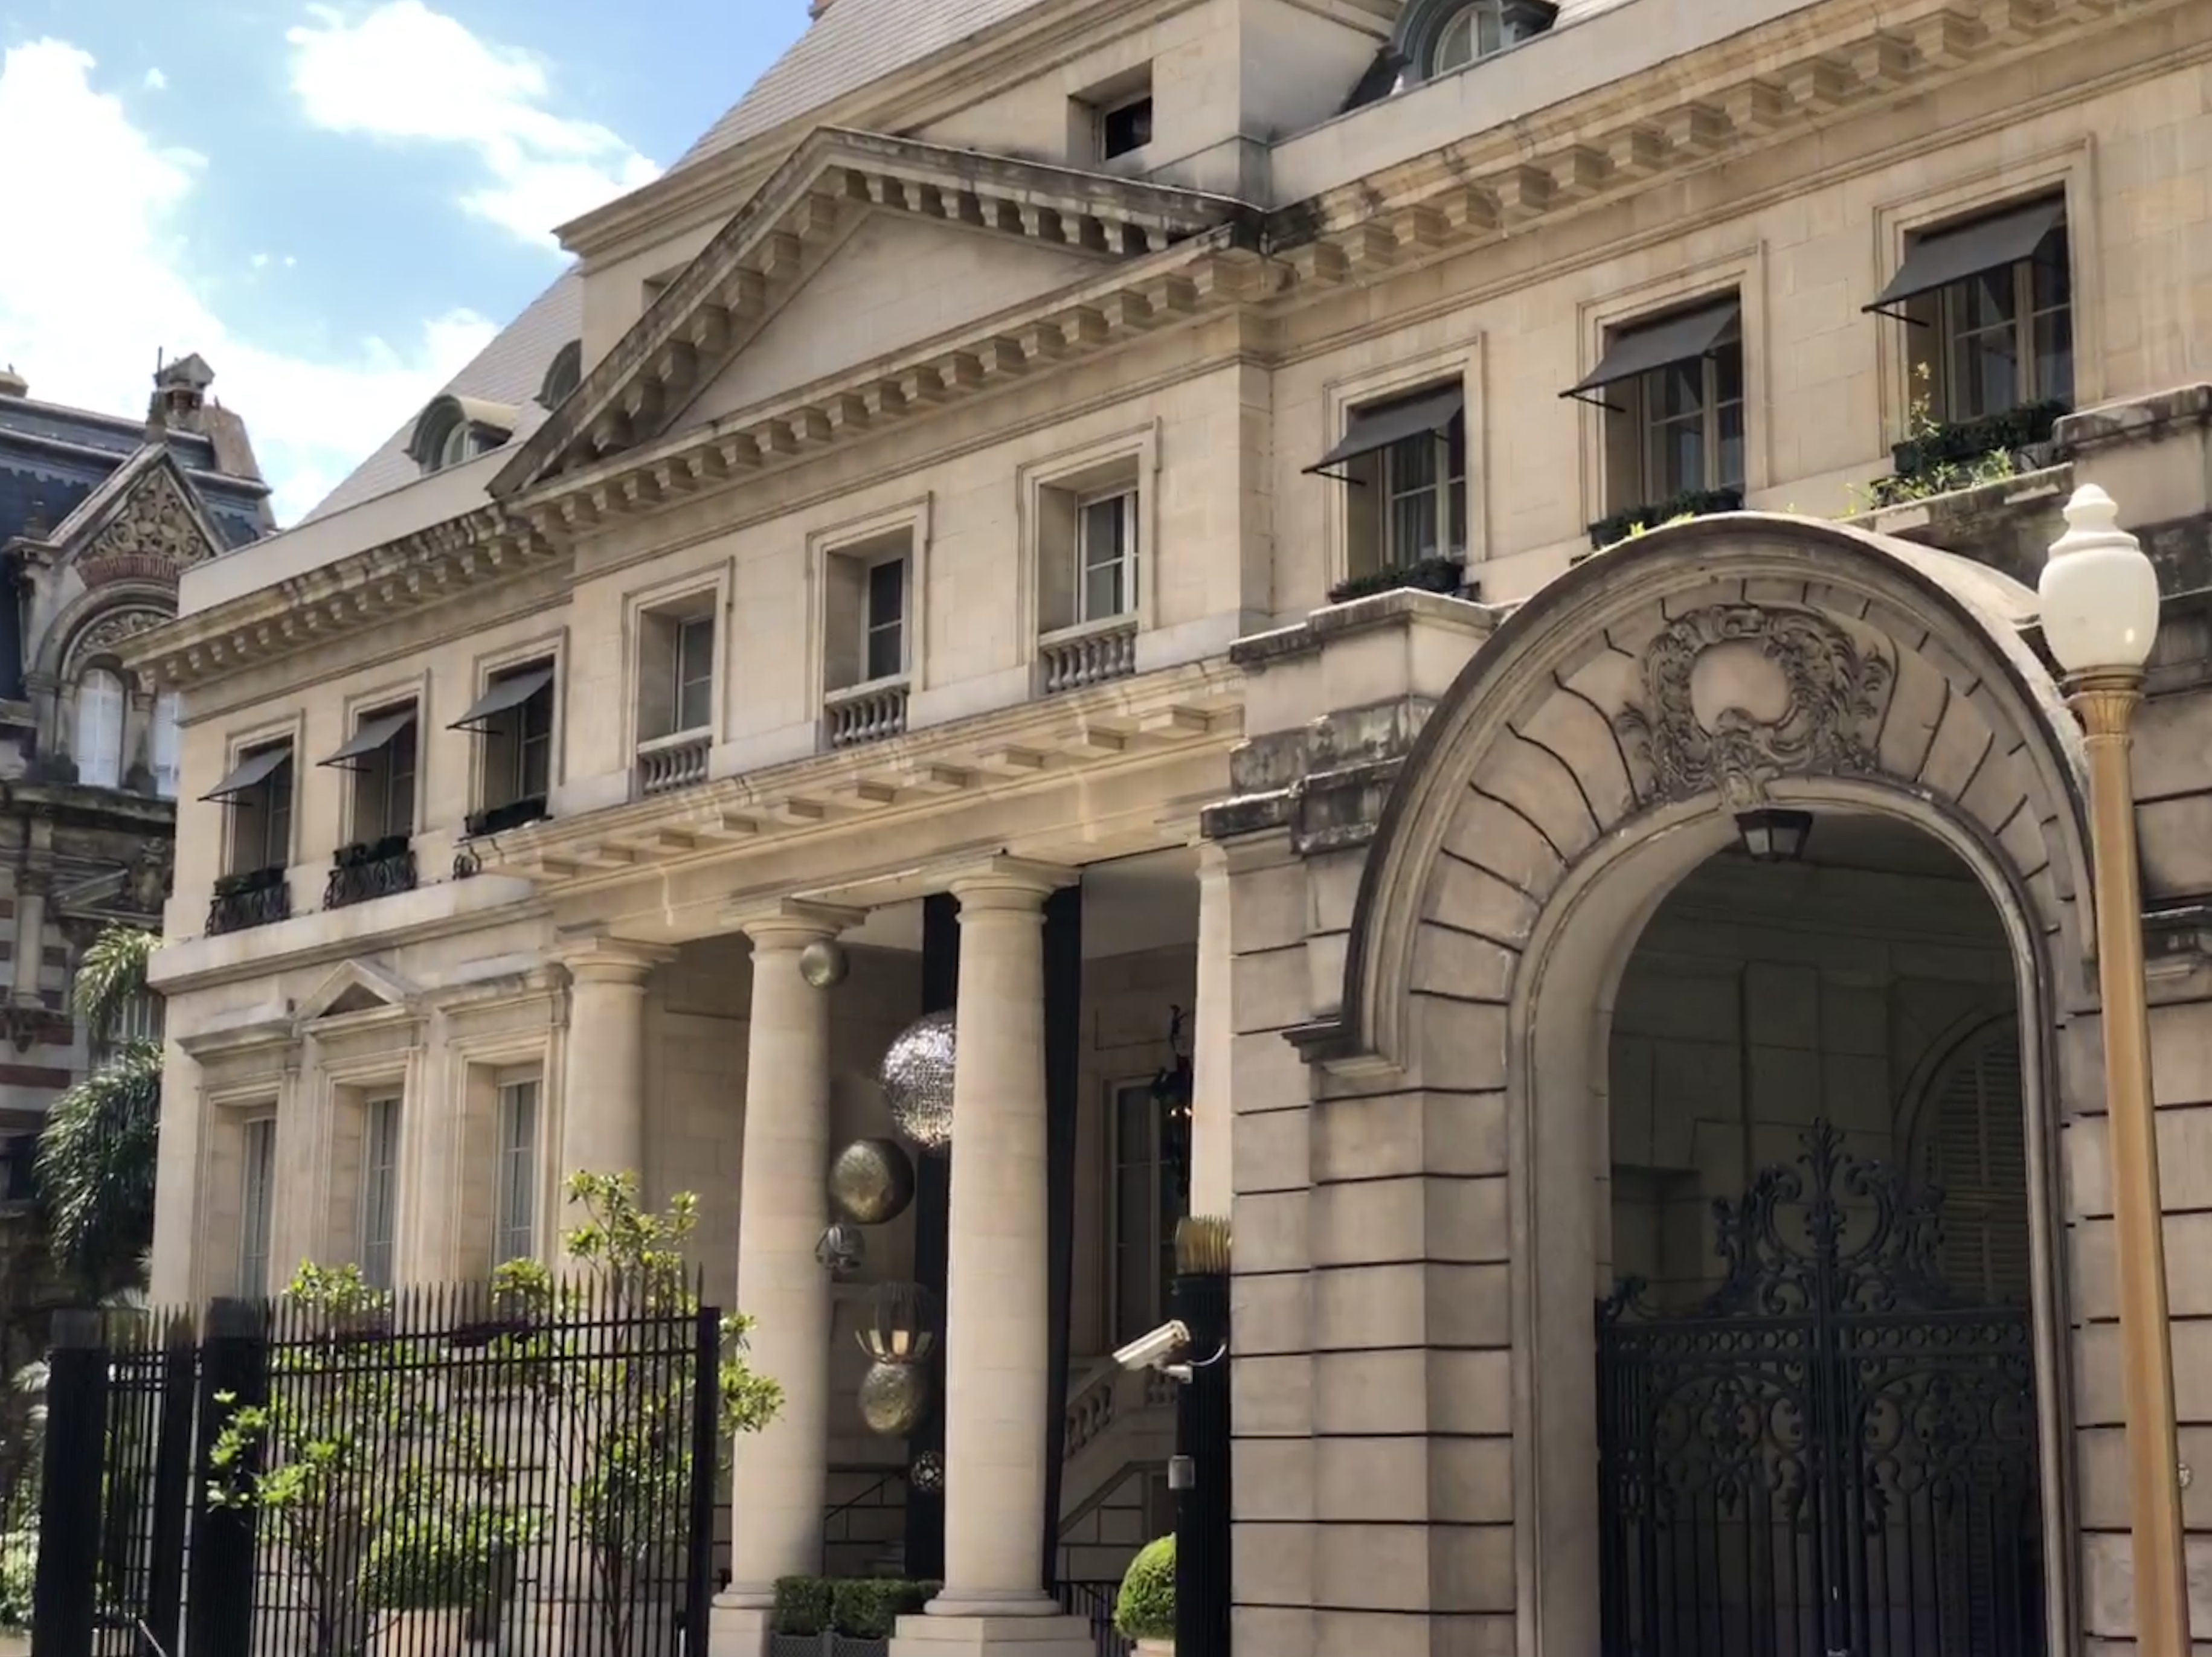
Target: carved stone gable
(155,537)
(1735,695)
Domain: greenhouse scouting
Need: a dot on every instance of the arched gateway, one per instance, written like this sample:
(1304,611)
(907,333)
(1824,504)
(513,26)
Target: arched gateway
(1596,751)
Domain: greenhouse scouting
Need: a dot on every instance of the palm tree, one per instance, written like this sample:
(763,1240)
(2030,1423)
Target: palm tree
(96,1153)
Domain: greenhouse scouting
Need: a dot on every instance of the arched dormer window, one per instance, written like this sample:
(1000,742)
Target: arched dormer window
(562,375)
(453,430)
(1441,37)
(97,749)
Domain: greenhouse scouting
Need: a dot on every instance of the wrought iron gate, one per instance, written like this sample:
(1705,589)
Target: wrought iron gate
(1834,1456)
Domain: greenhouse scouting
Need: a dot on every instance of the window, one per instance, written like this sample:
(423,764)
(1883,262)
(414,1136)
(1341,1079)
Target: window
(258,792)
(381,756)
(1126,127)
(516,1220)
(1672,390)
(256,1203)
(1472,32)
(1106,556)
(455,429)
(137,1019)
(100,729)
(166,744)
(1989,306)
(562,375)
(19,1153)
(883,628)
(675,668)
(695,673)
(380,1189)
(1150,1194)
(514,717)
(1405,462)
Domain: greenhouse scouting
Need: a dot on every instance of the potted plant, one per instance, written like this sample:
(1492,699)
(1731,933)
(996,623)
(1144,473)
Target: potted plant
(1145,1611)
(851,1616)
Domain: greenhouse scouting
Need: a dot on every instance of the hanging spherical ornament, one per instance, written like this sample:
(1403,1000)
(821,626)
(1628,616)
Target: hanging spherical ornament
(917,1078)
(894,1397)
(841,1250)
(927,1473)
(824,963)
(872,1182)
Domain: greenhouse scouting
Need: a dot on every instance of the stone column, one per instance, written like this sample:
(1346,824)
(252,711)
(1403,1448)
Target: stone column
(30,937)
(781,1474)
(602,1092)
(998,1350)
(1213,1115)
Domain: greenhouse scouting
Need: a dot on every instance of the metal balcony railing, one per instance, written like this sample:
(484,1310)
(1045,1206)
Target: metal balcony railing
(370,869)
(255,897)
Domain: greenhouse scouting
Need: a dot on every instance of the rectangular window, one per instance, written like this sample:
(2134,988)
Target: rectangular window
(258,792)
(516,1221)
(1989,302)
(1150,1195)
(695,673)
(1106,556)
(168,745)
(1404,463)
(1126,127)
(257,1207)
(514,717)
(381,757)
(1690,416)
(380,1189)
(884,627)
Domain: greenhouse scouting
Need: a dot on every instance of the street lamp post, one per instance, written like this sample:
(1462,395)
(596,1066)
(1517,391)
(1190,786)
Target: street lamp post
(2099,605)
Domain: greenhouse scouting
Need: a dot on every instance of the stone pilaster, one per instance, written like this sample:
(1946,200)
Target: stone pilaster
(1212,1182)
(781,1472)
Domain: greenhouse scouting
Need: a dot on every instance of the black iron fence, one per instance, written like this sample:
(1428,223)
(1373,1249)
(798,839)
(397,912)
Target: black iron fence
(370,870)
(424,1475)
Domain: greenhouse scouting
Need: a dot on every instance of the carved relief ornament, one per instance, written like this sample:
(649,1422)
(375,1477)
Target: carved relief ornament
(1735,695)
(109,630)
(155,536)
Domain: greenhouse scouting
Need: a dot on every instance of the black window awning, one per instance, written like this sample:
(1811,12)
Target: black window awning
(373,737)
(1661,344)
(256,768)
(1943,256)
(503,695)
(1373,430)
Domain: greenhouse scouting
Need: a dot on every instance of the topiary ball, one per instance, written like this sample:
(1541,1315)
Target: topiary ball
(1145,1608)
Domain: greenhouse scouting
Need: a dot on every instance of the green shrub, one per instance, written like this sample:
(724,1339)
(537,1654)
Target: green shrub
(19,1569)
(869,1607)
(802,1604)
(1145,1610)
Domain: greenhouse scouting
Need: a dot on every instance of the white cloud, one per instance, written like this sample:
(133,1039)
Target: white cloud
(85,305)
(155,81)
(402,71)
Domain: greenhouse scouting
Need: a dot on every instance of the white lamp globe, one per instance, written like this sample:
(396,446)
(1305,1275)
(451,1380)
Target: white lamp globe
(2099,591)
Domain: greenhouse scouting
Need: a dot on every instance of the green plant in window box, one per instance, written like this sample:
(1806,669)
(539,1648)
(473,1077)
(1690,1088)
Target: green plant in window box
(1632,521)
(1943,457)
(251,880)
(1444,575)
(361,853)
(1145,1611)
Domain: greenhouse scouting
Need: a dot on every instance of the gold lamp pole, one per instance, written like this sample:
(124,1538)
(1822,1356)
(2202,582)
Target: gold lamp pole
(2100,603)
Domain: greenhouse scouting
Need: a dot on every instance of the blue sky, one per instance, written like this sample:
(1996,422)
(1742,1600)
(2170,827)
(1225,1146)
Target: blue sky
(336,204)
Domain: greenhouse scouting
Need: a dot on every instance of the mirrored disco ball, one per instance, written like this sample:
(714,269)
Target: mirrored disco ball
(927,1473)
(917,1078)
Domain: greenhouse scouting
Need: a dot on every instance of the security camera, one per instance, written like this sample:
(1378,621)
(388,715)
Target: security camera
(1152,1351)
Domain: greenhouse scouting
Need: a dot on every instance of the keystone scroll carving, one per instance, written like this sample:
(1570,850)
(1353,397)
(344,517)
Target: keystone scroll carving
(1738,695)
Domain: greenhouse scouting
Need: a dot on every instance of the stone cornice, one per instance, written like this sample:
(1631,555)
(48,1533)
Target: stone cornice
(738,281)
(361,591)
(1038,742)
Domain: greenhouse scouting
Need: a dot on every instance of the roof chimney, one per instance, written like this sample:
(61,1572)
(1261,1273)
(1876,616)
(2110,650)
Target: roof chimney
(816,7)
(179,395)
(13,384)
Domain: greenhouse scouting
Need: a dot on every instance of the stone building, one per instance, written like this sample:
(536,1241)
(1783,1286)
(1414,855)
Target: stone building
(1324,527)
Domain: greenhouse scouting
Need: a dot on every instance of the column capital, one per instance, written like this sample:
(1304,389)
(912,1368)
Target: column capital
(792,923)
(1007,884)
(594,958)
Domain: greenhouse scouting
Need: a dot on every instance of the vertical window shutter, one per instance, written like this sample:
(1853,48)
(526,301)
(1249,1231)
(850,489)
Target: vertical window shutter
(100,729)
(1976,1152)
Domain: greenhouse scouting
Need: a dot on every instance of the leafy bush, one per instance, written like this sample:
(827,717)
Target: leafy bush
(1145,1610)
(1444,575)
(1633,521)
(869,1607)
(19,1569)
(803,1604)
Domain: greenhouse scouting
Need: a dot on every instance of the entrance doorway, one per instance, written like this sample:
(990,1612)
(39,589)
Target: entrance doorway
(1816,1385)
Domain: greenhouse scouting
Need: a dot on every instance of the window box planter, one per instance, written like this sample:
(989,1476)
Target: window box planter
(1964,440)
(1691,503)
(255,897)
(370,869)
(498,819)
(1444,575)
(854,1617)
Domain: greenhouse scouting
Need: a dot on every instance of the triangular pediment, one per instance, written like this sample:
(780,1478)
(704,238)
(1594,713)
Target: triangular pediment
(833,195)
(143,523)
(355,988)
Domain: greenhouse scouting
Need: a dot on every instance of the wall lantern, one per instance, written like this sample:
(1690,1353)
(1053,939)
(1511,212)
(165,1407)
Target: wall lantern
(1774,836)
(900,1327)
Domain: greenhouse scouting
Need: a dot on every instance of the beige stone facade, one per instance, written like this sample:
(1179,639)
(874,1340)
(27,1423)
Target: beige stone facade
(1044,496)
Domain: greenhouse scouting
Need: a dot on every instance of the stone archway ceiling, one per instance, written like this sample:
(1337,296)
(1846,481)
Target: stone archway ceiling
(1703,668)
